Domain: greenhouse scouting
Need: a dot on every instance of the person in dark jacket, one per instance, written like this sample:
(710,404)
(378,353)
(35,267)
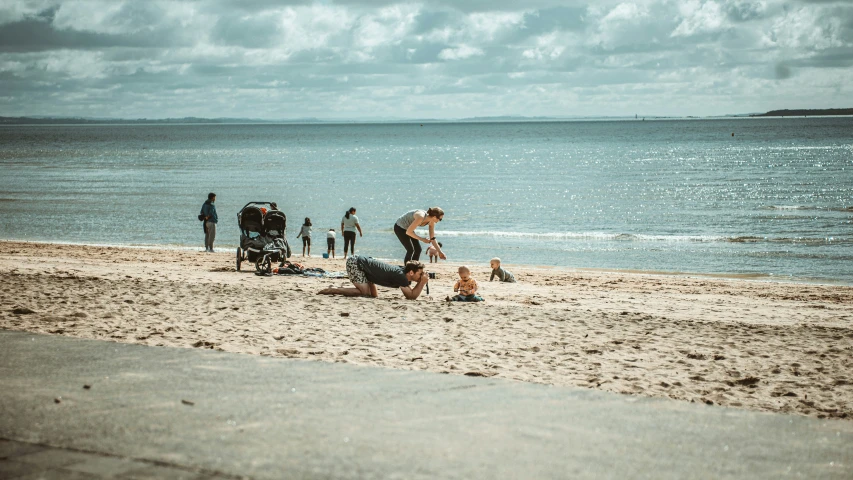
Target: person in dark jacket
(208,213)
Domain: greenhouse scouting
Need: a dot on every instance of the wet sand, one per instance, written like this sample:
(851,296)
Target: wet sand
(771,346)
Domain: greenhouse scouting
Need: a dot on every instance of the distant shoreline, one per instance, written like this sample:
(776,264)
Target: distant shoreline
(806,112)
(45,120)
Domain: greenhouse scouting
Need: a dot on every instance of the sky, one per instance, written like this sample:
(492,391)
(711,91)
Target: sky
(377,59)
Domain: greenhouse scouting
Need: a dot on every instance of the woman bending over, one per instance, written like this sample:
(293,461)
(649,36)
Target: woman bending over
(405,227)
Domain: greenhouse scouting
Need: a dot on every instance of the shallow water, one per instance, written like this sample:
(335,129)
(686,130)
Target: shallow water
(775,199)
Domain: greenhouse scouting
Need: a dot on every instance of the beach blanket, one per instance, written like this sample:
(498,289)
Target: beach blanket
(296,269)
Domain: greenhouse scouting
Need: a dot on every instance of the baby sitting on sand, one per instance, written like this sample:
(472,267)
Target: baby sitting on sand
(497,271)
(466,287)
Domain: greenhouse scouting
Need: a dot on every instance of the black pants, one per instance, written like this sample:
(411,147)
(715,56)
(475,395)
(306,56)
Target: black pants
(412,246)
(349,241)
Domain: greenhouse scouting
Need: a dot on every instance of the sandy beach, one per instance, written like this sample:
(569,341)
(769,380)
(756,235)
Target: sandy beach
(770,346)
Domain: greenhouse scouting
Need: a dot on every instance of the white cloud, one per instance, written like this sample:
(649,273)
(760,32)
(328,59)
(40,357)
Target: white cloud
(548,47)
(15,11)
(312,27)
(122,17)
(387,27)
(624,24)
(699,17)
(460,53)
(487,26)
(809,29)
(303,58)
(480,28)
(75,65)
(625,12)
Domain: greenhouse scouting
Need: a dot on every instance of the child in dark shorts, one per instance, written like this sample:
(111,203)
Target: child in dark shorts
(330,242)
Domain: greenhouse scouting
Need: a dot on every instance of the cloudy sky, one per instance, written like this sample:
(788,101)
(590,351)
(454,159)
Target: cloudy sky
(439,59)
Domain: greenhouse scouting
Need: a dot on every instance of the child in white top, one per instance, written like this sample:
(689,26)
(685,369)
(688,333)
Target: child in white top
(330,242)
(305,233)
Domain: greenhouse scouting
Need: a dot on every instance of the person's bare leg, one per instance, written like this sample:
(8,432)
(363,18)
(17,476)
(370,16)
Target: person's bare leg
(347,292)
(358,290)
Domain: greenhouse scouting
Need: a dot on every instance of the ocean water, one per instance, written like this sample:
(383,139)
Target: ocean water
(773,201)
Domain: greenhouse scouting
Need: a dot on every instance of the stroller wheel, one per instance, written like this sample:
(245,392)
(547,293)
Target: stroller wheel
(239,257)
(263,264)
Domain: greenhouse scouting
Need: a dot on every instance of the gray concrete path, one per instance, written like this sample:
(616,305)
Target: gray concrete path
(202,414)
(21,460)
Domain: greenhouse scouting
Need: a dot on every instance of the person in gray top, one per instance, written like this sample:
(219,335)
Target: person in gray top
(366,273)
(497,271)
(405,227)
(349,225)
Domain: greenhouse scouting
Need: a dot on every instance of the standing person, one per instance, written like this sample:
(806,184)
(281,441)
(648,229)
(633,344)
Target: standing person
(349,225)
(330,242)
(366,273)
(208,212)
(305,233)
(405,231)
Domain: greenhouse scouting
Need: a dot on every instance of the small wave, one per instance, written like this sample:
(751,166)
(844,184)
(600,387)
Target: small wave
(806,207)
(634,237)
(796,148)
(626,237)
(788,207)
(800,255)
(600,236)
(793,240)
(131,246)
(746,239)
(790,217)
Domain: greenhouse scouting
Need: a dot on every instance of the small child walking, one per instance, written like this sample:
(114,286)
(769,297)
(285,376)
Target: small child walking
(466,287)
(330,242)
(502,274)
(305,233)
(433,252)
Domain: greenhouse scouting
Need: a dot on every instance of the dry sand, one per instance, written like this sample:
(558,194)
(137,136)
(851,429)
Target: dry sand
(778,347)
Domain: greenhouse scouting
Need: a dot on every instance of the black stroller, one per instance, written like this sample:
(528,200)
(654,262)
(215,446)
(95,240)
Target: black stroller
(262,236)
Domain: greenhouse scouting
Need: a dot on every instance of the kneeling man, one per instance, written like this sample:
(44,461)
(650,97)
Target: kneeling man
(366,273)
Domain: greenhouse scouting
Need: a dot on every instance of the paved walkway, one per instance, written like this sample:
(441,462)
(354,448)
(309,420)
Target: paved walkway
(72,408)
(28,460)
